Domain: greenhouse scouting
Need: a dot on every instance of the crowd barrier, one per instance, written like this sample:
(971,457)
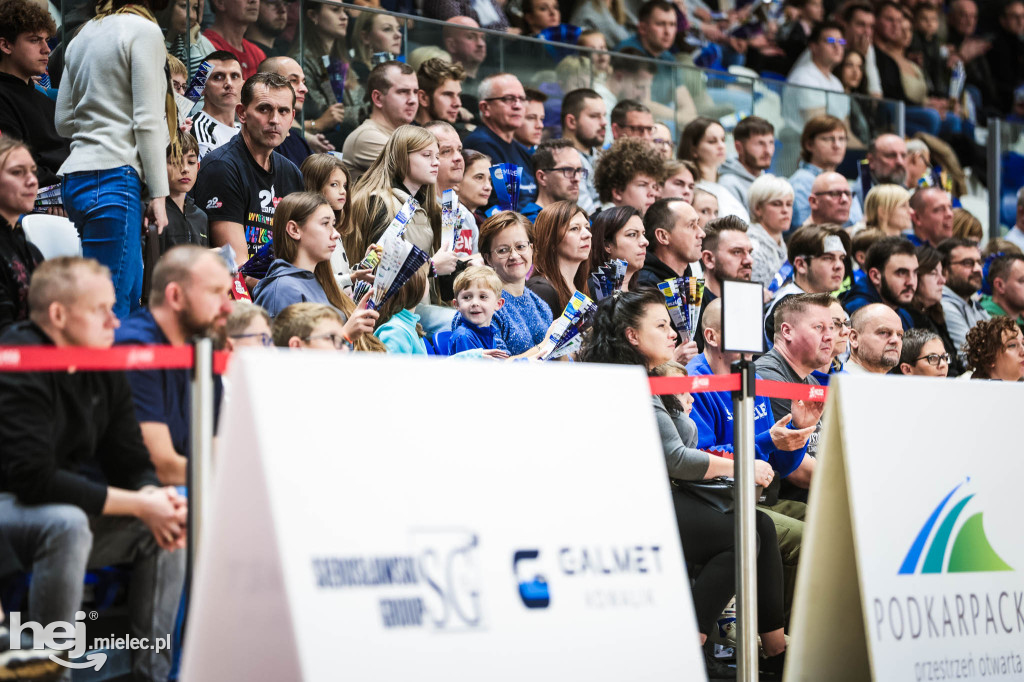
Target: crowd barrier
(204,363)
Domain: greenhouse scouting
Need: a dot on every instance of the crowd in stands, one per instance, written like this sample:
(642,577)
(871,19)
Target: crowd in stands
(312,147)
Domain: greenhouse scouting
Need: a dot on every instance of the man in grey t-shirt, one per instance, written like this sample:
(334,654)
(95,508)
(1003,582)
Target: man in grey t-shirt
(803,342)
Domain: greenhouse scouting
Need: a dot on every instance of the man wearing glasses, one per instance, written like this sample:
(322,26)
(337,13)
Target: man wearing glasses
(502,109)
(876,340)
(962,266)
(559,174)
(830,200)
(825,46)
(632,119)
(923,354)
(190,298)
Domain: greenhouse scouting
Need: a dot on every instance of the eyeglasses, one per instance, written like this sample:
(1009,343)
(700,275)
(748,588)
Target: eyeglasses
(337,340)
(522,248)
(835,41)
(661,143)
(935,359)
(264,338)
(835,194)
(838,325)
(569,173)
(510,100)
(968,263)
(640,130)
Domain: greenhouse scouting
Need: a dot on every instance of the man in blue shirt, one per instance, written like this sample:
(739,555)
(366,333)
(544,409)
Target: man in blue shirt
(190,297)
(655,34)
(502,108)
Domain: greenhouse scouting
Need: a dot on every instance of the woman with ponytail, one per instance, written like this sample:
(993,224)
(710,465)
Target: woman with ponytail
(115,104)
(304,239)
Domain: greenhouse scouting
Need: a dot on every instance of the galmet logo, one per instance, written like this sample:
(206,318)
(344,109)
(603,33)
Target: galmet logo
(971,551)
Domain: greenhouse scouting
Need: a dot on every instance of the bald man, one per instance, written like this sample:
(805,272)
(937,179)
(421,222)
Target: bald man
(466,47)
(876,340)
(830,200)
(932,216)
(296,147)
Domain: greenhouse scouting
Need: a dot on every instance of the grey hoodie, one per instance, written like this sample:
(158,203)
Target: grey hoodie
(286,284)
(735,178)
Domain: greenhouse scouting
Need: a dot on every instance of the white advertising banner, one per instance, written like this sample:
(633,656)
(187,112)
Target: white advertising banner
(518,525)
(913,560)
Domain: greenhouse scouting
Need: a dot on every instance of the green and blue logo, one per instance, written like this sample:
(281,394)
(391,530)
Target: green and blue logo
(971,551)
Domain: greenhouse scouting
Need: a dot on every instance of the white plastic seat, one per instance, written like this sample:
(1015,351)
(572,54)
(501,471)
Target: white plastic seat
(53,235)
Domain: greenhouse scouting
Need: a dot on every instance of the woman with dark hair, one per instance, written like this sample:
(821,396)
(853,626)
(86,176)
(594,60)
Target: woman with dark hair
(850,73)
(618,233)
(995,350)
(475,188)
(703,143)
(926,311)
(562,240)
(633,328)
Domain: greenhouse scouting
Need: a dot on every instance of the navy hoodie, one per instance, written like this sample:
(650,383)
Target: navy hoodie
(286,284)
(712,412)
(862,293)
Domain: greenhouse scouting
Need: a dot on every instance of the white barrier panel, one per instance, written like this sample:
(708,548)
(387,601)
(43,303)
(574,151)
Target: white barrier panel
(913,566)
(515,525)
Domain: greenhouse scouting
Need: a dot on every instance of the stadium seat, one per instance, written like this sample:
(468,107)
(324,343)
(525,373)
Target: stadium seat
(441,339)
(53,235)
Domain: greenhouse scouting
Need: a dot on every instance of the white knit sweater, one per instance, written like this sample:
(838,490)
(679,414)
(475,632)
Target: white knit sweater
(111,99)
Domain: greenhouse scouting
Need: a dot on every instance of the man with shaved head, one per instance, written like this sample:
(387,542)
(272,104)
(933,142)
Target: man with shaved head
(830,199)
(467,47)
(876,340)
(931,215)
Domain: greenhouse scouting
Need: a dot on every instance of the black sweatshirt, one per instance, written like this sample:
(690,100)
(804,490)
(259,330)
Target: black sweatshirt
(55,426)
(28,115)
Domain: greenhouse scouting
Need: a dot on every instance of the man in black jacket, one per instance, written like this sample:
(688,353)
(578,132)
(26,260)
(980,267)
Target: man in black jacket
(77,488)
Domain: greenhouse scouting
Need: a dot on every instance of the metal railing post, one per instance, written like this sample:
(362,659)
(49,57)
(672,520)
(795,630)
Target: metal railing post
(995,177)
(901,118)
(746,529)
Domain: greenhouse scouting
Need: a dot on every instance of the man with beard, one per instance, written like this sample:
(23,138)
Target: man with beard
(585,122)
(240,184)
(891,267)
(755,146)
(962,266)
(726,254)
(931,215)
(804,337)
(876,340)
(440,93)
(887,163)
(392,92)
(190,298)
(270,23)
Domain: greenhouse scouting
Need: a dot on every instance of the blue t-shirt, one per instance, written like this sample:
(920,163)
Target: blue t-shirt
(484,140)
(160,395)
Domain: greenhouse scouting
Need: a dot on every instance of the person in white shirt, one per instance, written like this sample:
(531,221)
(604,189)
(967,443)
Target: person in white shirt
(215,125)
(825,46)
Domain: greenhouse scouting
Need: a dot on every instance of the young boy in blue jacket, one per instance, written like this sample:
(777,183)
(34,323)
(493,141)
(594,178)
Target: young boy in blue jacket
(478,297)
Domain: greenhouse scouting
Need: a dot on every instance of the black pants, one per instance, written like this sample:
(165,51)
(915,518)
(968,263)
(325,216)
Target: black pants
(708,540)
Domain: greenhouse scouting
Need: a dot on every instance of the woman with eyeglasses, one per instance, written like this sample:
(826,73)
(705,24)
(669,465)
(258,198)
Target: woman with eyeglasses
(562,238)
(995,350)
(923,354)
(505,245)
(304,240)
(703,142)
(633,328)
(771,211)
(618,233)
(926,310)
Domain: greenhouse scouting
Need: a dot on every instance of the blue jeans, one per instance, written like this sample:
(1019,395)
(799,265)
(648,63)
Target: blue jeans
(106,207)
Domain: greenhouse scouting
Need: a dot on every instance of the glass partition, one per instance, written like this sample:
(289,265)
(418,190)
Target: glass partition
(1006,168)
